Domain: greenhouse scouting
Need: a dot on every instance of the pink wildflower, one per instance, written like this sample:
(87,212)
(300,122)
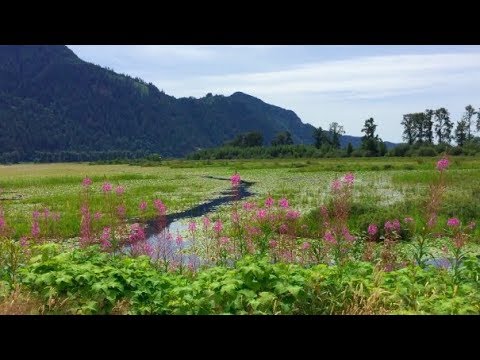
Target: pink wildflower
(218,226)
(306,245)
(106,187)
(192,226)
(292,214)
(143,205)
(106,245)
(121,210)
(283,229)
(273,244)
(224,240)
(24,241)
(252,231)
(98,215)
(87,182)
(105,234)
(235,179)
(346,234)
(179,240)
(330,238)
(160,206)
(349,178)
(393,225)
(261,214)
(35,229)
(453,222)
(283,203)
(137,233)
(372,229)
(442,164)
(269,202)
(248,206)
(35,214)
(206,222)
(336,185)
(119,190)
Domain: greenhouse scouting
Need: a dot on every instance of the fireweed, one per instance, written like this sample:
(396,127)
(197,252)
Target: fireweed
(271,227)
(334,219)
(455,250)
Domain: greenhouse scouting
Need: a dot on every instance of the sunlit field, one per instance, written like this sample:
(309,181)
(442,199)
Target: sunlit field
(332,235)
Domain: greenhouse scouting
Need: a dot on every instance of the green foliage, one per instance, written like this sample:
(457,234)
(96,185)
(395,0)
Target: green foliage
(282,138)
(427,151)
(12,256)
(349,149)
(247,140)
(92,283)
(56,107)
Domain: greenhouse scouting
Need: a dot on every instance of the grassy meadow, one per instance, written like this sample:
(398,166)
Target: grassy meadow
(385,187)
(318,236)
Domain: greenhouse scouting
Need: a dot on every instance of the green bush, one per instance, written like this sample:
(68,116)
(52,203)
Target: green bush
(427,151)
(92,282)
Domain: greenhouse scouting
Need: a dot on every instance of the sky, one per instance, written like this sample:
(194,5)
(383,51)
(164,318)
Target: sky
(320,83)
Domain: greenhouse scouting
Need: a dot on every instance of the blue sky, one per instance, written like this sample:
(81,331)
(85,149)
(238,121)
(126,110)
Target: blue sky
(322,83)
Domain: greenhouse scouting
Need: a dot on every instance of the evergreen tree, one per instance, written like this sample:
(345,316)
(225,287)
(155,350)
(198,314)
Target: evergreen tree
(349,149)
(469,112)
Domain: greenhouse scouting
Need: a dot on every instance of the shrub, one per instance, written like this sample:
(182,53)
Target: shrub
(427,151)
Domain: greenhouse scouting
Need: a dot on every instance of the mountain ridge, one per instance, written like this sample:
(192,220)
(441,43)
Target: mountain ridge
(53,101)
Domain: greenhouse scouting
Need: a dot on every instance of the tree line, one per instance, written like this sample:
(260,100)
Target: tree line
(425,127)
(426,133)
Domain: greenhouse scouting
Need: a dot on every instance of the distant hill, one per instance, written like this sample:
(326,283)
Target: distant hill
(51,101)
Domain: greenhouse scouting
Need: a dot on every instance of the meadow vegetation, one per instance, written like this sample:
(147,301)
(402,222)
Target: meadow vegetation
(319,236)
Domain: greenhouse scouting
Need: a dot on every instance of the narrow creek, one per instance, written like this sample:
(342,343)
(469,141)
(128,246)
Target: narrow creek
(162,232)
(173,222)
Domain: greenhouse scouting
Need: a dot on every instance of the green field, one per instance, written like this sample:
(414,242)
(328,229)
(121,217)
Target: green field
(385,187)
(256,259)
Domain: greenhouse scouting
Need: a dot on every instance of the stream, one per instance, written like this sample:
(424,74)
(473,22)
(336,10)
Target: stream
(161,231)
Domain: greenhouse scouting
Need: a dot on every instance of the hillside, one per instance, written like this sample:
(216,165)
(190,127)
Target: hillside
(51,101)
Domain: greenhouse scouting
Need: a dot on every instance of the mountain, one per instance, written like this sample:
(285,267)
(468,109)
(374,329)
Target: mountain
(53,102)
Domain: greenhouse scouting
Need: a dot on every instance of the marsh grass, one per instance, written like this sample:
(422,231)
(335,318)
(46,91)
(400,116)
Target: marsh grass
(385,186)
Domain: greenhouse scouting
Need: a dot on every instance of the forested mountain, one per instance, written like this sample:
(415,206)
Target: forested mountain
(52,102)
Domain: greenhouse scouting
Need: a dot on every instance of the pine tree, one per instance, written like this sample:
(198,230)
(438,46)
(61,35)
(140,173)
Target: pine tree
(349,149)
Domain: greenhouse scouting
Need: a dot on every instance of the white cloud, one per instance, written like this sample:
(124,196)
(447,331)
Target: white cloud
(362,77)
